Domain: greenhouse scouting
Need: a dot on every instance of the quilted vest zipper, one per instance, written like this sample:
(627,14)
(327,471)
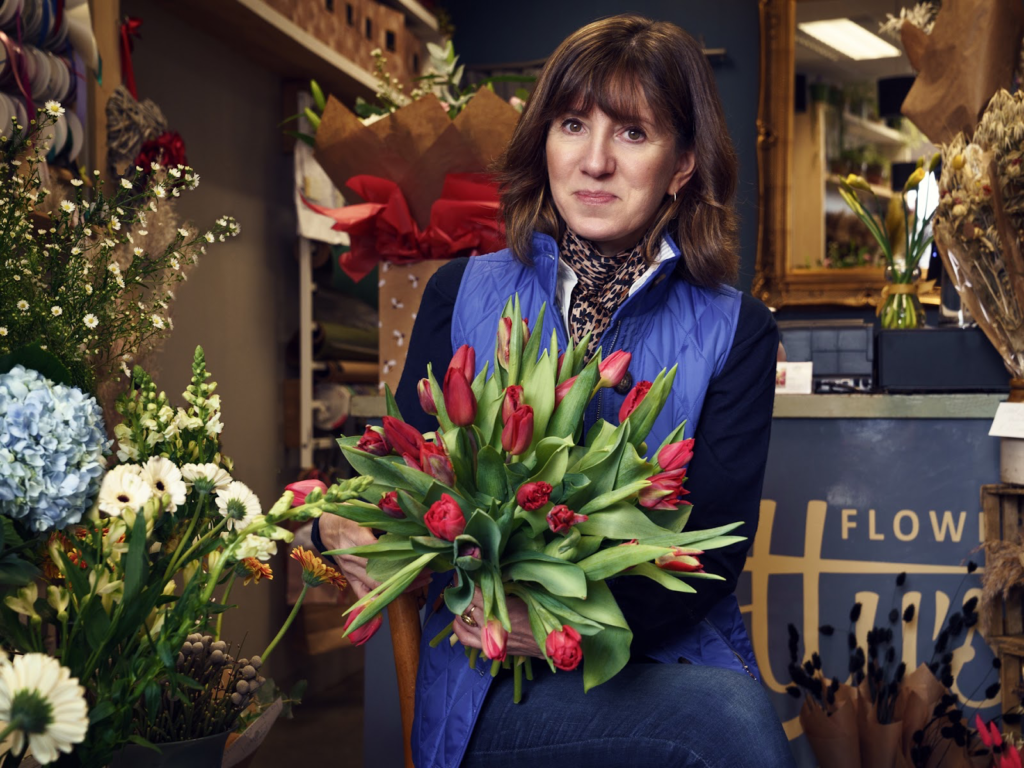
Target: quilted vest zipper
(728,645)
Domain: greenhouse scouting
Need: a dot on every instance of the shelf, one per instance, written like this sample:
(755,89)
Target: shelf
(872,133)
(883,192)
(268,38)
(422,22)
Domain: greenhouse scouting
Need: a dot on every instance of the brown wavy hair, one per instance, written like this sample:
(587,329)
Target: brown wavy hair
(621,64)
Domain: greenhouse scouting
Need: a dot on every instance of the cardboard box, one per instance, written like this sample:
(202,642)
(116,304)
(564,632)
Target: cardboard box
(401,289)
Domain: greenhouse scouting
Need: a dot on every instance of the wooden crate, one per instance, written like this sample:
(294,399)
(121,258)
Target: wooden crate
(1003,619)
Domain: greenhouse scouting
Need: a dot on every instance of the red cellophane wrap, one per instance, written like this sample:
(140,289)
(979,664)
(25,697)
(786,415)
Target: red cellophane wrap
(421,177)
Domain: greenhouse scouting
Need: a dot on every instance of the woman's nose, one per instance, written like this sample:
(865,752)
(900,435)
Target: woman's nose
(598,159)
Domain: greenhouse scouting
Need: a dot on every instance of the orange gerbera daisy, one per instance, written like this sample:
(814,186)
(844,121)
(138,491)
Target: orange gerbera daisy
(255,570)
(315,572)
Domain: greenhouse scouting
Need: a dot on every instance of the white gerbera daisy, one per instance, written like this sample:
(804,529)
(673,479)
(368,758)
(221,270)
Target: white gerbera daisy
(54,108)
(67,206)
(205,478)
(239,505)
(123,488)
(163,477)
(126,184)
(45,705)
(91,321)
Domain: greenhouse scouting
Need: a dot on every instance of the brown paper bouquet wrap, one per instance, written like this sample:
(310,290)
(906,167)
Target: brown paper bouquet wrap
(833,736)
(416,169)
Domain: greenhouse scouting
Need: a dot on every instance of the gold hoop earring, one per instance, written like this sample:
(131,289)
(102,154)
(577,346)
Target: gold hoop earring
(674,197)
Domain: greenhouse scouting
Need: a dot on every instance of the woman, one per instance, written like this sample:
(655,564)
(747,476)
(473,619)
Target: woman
(616,195)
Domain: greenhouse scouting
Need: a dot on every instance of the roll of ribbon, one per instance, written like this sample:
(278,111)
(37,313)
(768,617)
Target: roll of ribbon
(15,76)
(9,10)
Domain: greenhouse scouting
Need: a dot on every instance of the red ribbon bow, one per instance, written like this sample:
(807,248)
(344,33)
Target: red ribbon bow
(129,29)
(464,218)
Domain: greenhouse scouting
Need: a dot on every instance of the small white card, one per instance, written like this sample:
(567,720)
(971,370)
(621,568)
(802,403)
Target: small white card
(793,378)
(1009,421)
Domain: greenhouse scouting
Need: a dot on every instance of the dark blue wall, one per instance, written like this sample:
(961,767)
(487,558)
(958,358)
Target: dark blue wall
(532,29)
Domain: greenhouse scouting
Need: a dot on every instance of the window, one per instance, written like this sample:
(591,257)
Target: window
(350,15)
(389,40)
(369,30)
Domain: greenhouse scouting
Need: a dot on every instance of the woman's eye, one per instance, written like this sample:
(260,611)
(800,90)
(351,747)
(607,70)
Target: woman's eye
(635,134)
(572,125)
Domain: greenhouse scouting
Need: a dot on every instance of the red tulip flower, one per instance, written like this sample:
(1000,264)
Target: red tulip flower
(532,496)
(373,442)
(683,560)
(459,400)
(561,359)
(495,640)
(426,397)
(665,490)
(518,431)
(444,519)
(563,389)
(302,489)
(389,505)
(404,438)
(435,462)
(633,399)
(505,339)
(365,632)
(464,361)
(561,519)
(675,455)
(563,648)
(613,368)
(513,399)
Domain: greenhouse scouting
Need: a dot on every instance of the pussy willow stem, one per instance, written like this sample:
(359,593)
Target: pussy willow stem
(224,600)
(287,623)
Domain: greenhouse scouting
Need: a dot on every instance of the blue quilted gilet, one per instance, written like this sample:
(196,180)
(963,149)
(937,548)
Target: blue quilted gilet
(666,321)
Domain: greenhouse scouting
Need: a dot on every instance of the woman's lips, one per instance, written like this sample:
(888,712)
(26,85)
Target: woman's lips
(594,198)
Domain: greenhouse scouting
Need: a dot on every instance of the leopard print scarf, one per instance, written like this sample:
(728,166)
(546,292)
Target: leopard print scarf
(604,283)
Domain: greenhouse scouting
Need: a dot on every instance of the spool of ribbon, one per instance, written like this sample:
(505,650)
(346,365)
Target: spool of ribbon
(896,289)
(129,30)
(464,218)
(16,72)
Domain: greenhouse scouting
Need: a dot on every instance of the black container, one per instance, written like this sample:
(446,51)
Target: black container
(939,360)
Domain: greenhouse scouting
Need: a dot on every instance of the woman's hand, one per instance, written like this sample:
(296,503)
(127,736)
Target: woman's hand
(520,640)
(338,532)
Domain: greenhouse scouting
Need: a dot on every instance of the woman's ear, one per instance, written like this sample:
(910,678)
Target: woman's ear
(685,167)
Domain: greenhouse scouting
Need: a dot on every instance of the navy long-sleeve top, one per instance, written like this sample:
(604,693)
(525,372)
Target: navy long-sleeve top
(725,475)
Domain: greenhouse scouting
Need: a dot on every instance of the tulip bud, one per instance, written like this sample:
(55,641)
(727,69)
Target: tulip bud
(464,361)
(532,496)
(365,632)
(675,455)
(505,339)
(681,560)
(513,399)
(563,389)
(435,462)
(934,162)
(561,519)
(459,400)
(303,488)
(495,640)
(518,431)
(633,399)
(389,505)
(613,368)
(563,648)
(373,442)
(403,438)
(426,397)
(915,178)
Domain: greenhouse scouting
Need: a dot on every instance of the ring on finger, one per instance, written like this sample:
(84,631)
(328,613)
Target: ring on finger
(467,617)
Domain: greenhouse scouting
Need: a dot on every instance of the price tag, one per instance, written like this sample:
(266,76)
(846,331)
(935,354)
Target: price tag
(1009,421)
(793,378)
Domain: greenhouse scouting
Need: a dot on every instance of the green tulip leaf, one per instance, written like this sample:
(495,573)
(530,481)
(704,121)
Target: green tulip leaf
(391,404)
(692,538)
(377,600)
(443,420)
(490,473)
(425,545)
(665,578)
(386,471)
(458,597)
(614,560)
(642,418)
(413,508)
(568,414)
(612,497)
(604,655)
(621,521)
(484,529)
(557,576)
(599,606)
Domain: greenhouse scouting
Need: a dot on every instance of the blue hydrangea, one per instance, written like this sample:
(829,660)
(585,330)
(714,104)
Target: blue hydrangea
(52,446)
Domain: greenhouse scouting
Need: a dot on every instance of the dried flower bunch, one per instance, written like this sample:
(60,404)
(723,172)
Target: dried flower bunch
(80,283)
(979,221)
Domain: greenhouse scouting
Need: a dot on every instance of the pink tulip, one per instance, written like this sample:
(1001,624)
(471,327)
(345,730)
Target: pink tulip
(613,368)
(389,505)
(664,491)
(435,462)
(513,399)
(373,442)
(682,560)
(505,339)
(563,389)
(675,455)
(495,640)
(301,489)
(459,400)
(563,648)
(633,399)
(365,632)
(426,397)
(518,431)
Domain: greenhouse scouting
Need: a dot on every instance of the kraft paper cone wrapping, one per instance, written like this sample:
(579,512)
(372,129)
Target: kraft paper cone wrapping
(920,692)
(971,53)
(401,289)
(833,738)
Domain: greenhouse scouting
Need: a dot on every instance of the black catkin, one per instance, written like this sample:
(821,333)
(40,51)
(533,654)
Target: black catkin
(901,578)
(894,616)
(827,629)
(855,613)
(908,614)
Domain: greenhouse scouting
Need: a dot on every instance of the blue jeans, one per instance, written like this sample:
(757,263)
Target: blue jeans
(648,714)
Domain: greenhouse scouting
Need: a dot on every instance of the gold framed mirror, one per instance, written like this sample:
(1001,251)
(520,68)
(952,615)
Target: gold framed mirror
(792,210)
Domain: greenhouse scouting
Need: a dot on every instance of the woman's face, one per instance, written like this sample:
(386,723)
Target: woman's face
(609,178)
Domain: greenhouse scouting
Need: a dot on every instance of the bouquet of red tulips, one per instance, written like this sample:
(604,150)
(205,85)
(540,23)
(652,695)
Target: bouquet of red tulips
(512,496)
